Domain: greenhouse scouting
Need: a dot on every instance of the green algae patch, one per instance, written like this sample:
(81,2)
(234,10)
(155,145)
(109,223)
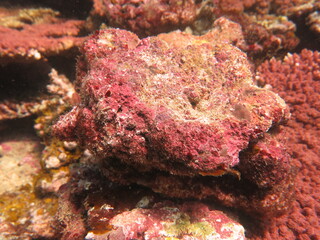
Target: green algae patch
(183,226)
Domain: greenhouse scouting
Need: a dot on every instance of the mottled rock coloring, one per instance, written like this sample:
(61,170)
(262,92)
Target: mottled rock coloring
(171,221)
(186,108)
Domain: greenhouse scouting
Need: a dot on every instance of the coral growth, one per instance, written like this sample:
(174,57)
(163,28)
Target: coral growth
(266,34)
(297,80)
(50,35)
(148,17)
(177,112)
(295,7)
(159,120)
(313,21)
(19,18)
(14,110)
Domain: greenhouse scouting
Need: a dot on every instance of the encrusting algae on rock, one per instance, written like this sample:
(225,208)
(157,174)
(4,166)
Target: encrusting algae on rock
(170,221)
(168,136)
(165,115)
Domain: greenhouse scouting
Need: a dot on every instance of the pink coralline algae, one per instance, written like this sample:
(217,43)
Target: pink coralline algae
(165,220)
(265,34)
(174,116)
(148,17)
(297,80)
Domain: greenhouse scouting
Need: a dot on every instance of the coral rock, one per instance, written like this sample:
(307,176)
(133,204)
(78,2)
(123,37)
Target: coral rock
(185,109)
(265,34)
(186,221)
(147,17)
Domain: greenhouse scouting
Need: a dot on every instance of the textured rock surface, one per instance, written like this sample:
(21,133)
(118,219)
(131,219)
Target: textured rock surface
(34,37)
(266,34)
(174,111)
(196,103)
(165,220)
(297,80)
(148,17)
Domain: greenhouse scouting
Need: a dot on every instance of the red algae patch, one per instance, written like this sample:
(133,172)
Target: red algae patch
(148,17)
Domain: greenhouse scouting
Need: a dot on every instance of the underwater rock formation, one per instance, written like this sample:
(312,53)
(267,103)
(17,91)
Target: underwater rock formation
(148,17)
(297,80)
(173,117)
(168,220)
(265,34)
(36,36)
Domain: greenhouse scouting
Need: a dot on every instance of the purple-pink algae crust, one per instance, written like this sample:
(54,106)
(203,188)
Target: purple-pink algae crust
(185,109)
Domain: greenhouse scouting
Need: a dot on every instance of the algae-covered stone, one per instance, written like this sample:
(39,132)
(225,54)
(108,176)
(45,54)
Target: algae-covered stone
(173,106)
(172,221)
(151,104)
